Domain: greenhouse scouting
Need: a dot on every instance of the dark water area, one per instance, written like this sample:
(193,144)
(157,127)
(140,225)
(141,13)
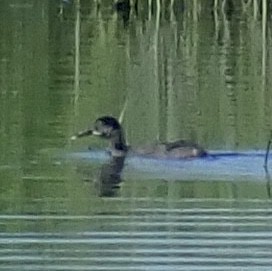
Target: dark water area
(197,70)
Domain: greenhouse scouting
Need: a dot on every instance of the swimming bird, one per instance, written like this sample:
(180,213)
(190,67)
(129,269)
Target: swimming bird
(109,128)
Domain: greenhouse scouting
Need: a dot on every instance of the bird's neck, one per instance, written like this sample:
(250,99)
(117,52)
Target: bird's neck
(118,142)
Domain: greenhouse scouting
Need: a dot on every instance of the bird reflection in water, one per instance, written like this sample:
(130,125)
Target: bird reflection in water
(109,179)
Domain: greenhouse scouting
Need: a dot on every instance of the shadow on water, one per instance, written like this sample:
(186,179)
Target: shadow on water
(218,166)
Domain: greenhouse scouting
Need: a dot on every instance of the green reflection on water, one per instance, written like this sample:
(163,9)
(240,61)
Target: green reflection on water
(181,78)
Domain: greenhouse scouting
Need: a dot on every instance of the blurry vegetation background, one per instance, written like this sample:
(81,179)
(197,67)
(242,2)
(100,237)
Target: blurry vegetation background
(190,69)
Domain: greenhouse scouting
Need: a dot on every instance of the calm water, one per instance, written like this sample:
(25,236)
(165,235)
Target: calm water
(192,72)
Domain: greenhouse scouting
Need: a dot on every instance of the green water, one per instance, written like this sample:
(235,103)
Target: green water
(192,72)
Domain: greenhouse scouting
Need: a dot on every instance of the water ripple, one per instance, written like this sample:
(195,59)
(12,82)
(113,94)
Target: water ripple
(150,238)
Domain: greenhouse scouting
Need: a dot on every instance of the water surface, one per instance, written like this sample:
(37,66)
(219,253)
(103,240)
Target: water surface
(191,71)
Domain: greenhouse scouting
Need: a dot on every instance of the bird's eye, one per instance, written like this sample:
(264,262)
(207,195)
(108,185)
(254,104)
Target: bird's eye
(107,131)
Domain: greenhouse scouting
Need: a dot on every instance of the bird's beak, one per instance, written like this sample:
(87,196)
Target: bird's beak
(96,133)
(85,133)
